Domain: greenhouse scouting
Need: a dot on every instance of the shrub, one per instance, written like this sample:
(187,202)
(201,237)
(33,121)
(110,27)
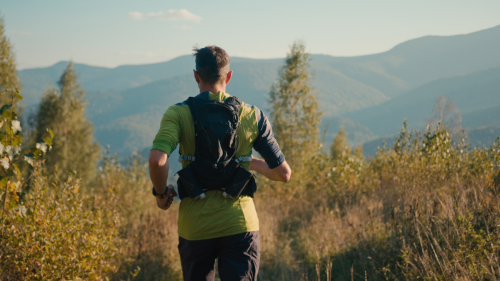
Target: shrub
(49,230)
(424,209)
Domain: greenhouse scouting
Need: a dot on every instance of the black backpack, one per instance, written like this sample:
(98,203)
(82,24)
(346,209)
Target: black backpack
(214,165)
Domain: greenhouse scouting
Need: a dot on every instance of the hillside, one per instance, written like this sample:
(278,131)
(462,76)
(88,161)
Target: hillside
(474,92)
(481,117)
(421,60)
(101,78)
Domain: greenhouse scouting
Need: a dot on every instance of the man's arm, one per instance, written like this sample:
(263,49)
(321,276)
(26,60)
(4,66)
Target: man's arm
(280,173)
(165,142)
(273,166)
(158,172)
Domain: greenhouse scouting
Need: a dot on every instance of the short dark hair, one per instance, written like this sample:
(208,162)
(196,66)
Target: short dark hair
(212,64)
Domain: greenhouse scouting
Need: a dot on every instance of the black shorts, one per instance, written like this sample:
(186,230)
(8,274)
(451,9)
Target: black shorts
(238,257)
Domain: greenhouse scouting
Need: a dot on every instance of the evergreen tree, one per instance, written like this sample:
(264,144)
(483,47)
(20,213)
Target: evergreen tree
(8,73)
(63,111)
(339,144)
(295,114)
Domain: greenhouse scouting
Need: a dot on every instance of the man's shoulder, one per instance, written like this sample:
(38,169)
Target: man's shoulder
(178,106)
(259,114)
(178,110)
(250,107)
(204,95)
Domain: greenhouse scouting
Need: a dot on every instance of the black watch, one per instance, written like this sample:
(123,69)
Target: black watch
(160,195)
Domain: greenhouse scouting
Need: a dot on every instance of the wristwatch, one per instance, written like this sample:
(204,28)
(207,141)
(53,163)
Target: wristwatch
(160,195)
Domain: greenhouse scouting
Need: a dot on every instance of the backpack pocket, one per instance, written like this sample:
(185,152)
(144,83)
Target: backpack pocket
(242,183)
(188,185)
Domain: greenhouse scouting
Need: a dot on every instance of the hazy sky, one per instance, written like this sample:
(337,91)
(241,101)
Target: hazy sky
(111,33)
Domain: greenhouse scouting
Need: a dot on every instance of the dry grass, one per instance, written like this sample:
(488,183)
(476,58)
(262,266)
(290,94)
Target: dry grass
(414,212)
(427,209)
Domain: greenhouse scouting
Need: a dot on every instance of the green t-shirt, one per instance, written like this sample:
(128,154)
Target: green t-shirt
(216,216)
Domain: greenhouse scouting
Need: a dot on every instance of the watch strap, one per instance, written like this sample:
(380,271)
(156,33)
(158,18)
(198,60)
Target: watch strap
(161,196)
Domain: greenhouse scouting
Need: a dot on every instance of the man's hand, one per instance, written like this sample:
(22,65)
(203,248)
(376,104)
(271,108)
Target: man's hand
(165,202)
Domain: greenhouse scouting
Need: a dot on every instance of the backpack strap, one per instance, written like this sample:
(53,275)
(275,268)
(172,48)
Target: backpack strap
(237,159)
(243,159)
(186,158)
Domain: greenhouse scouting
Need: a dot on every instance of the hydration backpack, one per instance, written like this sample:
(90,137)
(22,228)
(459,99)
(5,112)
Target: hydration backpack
(214,166)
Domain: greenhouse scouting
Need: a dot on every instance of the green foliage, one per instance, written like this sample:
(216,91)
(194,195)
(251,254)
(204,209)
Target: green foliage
(150,253)
(339,144)
(295,116)
(53,235)
(49,232)
(425,209)
(63,110)
(8,72)
(295,113)
(10,148)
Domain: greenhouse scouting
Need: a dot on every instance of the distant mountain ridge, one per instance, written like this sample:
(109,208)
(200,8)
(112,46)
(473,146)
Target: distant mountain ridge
(473,92)
(362,93)
(427,58)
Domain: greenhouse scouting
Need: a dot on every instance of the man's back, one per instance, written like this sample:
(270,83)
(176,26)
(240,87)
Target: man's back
(216,216)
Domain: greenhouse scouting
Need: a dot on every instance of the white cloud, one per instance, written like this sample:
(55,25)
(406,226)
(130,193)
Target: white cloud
(135,15)
(176,15)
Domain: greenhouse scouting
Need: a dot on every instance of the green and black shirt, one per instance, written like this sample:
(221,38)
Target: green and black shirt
(215,216)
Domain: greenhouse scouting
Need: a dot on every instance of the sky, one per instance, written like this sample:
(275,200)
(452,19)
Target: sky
(112,33)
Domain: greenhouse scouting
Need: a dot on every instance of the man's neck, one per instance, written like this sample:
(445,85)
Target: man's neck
(214,89)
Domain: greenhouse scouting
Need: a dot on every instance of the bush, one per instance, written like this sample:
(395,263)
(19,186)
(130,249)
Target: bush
(424,209)
(49,230)
(51,234)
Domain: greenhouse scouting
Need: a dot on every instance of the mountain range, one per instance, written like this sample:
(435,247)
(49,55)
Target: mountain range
(368,95)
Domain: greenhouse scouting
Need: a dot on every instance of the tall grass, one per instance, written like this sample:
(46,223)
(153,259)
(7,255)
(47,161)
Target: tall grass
(425,209)
(151,251)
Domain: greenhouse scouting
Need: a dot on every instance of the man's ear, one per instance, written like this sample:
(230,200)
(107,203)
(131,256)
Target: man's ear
(228,77)
(196,76)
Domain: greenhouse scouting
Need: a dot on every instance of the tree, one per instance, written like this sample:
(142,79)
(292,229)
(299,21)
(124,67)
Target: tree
(295,116)
(446,113)
(63,111)
(339,144)
(8,73)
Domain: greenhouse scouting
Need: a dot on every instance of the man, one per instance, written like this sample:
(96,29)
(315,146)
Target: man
(213,225)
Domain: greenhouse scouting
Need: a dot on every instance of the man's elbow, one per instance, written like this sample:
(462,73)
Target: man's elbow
(153,161)
(157,158)
(286,176)
(285,172)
